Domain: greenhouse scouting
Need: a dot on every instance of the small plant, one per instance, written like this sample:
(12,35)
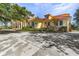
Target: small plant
(62,29)
(28,29)
(37,30)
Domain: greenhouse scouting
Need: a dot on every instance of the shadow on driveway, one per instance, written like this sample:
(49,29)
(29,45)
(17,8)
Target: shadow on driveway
(7,32)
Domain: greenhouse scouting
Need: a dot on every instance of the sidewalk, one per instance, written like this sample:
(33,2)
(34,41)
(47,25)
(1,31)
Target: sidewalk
(74,31)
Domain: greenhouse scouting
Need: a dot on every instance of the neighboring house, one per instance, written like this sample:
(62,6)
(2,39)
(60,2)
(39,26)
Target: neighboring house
(54,22)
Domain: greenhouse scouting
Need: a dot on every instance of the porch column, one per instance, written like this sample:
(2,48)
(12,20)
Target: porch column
(58,24)
(68,26)
(21,25)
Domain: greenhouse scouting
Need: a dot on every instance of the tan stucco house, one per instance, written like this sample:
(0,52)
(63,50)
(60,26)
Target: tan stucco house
(50,21)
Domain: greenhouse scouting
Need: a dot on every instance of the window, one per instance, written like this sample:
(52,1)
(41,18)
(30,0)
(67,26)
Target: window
(61,22)
(33,24)
(48,23)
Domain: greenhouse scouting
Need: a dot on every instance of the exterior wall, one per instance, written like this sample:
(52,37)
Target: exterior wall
(49,17)
(39,25)
(52,25)
(44,24)
(66,22)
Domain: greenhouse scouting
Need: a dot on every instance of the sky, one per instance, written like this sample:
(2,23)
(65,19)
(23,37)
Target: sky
(40,9)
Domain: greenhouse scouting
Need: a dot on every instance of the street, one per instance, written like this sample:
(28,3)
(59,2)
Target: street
(39,44)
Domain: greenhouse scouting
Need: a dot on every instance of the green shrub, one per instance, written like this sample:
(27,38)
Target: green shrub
(3,27)
(28,29)
(63,29)
(9,27)
(46,30)
(37,30)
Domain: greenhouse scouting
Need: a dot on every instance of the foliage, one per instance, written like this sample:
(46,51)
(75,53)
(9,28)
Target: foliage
(37,30)
(76,17)
(62,29)
(9,12)
(73,26)
(28,29)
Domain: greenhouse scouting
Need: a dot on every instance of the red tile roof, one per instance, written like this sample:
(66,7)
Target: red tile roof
(62,16)
(58,17)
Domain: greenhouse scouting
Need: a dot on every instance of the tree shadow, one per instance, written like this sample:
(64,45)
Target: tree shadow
(7,32)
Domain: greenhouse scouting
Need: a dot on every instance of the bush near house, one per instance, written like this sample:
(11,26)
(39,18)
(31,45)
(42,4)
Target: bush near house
(45,30)
(29,28)
(0,28)
(62,29)
(37,30)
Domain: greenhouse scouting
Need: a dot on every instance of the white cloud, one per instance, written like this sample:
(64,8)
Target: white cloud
(62,7)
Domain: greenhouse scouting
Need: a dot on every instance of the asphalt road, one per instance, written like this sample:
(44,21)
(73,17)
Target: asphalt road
(38,44)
